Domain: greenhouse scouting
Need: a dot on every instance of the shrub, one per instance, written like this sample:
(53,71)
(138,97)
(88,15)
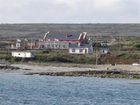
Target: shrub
(136,45)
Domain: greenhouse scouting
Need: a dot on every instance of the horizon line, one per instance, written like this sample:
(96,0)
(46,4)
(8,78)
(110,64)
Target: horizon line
(68,23)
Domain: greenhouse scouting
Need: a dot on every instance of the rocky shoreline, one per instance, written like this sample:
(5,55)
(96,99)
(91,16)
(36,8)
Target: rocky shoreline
(6,67)
(103,71)
(93,73)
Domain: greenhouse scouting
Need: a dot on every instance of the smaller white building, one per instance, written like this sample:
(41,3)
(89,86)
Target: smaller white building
(22,54)
(84,49)
(104,51)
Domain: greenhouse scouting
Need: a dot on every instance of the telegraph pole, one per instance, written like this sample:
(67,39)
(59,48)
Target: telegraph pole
(96,57)
(96,52)
(31,43)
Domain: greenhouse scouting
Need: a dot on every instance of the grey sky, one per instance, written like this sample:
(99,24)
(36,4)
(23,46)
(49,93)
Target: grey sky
(69,11)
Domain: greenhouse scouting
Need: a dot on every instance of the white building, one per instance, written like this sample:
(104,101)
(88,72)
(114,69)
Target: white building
(22,54)
(84,49)
(104,51)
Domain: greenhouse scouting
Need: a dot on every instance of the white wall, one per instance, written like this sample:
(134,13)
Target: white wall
(22,54)
(84,50)
(77,51)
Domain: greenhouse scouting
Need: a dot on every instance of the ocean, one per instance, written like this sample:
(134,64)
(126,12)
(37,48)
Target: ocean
(17,89)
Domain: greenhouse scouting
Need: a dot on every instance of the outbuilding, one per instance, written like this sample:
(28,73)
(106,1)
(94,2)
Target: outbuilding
(82,49)
(22,54)
(104,51)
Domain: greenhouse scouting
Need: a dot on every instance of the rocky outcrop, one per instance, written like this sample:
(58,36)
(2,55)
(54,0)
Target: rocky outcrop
(5,67)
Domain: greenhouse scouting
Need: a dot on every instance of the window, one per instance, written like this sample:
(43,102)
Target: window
(56,45)
(73,50)
(52,46)
(64,46)
(42,46)
(81,50)
(48,46)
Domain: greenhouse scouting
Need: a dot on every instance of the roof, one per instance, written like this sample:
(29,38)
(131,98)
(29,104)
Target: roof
(63,36)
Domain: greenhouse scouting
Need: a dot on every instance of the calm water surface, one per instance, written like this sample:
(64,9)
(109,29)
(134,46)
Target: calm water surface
(16,89)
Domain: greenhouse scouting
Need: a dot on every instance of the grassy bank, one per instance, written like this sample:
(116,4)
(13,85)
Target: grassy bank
(122,51)
(44,56)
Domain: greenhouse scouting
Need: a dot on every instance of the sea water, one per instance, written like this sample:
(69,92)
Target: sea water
(16,89)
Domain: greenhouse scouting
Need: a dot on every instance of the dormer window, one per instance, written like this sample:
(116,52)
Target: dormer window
(69,35)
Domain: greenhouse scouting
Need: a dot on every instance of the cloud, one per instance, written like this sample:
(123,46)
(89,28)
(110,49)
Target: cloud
(69,11)
(106,4)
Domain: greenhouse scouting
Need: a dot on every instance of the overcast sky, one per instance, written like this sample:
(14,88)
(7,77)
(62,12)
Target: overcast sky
(69,11)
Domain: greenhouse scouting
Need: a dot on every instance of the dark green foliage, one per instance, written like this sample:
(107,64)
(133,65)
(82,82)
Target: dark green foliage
(58,59)
(122,55)
(129,56)
(41,58)
(65,58)
(83,59)
(137,45)
(46,51)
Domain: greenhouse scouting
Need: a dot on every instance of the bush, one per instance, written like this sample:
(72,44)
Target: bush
(58,58)
(137,45)
(46,51)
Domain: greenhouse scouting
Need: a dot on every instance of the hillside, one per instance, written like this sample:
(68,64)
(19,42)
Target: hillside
(38,30)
